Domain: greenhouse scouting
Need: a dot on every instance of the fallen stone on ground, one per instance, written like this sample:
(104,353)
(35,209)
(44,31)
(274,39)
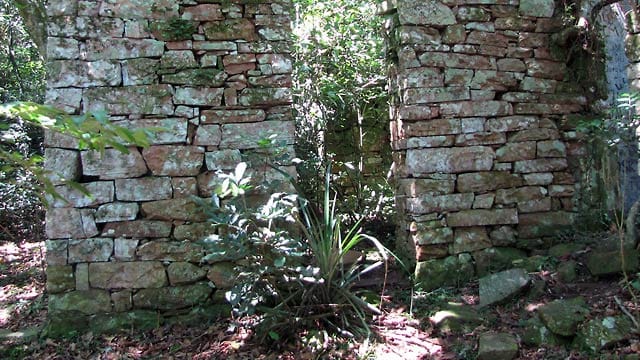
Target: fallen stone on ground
(563,316)
(500,286)
(610,262)
(456,318)
(535,333)
(497,346)
(600,333)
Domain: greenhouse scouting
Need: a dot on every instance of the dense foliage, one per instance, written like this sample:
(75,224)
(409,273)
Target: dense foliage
(292,260)
(341,104)
(21,79)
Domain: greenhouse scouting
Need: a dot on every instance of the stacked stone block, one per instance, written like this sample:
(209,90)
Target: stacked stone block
(215,77)
(483,157)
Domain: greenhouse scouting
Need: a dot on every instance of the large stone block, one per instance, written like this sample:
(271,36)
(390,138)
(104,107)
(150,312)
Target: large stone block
(511,123)
(174,209)
(99,192)
(449,160)
(454,60)
(481,182)
(540,165)
(127,275)
(482,217)
(208,135)
(435,95)
(141,71)
(116,212)
(62,165)
(247,135)
(537,8)
(208,96)
(60,279)
(222,274)
(232,29)
(56,252)
(232,116)
(67,99)
(124,48)
(421,187)
(65,73)
(142,99)
(432,127)
(170,251)
(86,302)
(476,108)
(143,189)
(181,273)
(425,13)
(65,223)
(206,77)
(470,239)
(113,164)
(89,250)
(194,232)
(138,229)
(170,298)
(162,131)
(439,203)
(173,160)
(516,151)
(265,96)
(453,270)
(140,9)
(520,195)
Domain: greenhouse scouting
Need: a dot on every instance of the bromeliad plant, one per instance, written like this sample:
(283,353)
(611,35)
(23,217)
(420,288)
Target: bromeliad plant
(291,261)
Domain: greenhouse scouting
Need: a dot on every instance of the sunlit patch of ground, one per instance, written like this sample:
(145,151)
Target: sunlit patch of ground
(22,283)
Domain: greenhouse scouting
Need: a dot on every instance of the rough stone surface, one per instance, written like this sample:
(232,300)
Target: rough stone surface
(127,275)
(599,333)
(86,302)
(563,316)
(453,270)
(113,164)
(170,251)
(501,286)
(497,346)
(168,298)
(611,262)
(180,273)
(60,279)
(222,274)
(90,250)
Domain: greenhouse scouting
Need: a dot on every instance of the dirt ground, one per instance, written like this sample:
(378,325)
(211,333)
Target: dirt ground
(404,331)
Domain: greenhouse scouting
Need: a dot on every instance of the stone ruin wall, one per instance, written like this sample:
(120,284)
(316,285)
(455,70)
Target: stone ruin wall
(484,156)
(217,76)
(485,159)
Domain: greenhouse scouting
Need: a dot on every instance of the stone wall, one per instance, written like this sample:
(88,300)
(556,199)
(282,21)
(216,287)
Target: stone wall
(216,76)
(482,147)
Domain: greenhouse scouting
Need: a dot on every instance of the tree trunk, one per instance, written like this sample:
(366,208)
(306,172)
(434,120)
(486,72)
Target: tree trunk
(34,15)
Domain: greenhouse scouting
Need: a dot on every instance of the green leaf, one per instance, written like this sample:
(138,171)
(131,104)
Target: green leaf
(279,262)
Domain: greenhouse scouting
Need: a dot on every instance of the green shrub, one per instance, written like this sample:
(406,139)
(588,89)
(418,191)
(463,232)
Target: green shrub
(290,260)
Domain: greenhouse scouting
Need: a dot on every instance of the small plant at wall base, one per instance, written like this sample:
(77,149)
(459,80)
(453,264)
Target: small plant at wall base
(291,264)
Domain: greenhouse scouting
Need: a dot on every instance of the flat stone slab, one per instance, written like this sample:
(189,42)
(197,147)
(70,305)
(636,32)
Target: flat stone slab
(563,316)
(500,286)
(497,346)
(22,336)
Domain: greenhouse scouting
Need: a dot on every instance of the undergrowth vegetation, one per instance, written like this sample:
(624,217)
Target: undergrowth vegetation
(293,264)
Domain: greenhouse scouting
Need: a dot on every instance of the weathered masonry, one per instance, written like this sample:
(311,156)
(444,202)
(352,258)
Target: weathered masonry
(485,153)
(483,93)
(217,76)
